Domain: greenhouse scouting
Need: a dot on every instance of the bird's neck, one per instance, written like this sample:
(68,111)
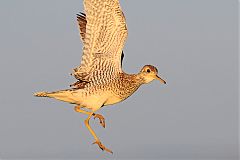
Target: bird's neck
(129,83)
(132,79)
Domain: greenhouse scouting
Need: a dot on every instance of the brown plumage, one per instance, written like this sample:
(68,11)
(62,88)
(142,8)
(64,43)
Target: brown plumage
(100,79)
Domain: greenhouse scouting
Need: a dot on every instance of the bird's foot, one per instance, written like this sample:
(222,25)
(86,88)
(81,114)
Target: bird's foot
(101,119)
(102,147)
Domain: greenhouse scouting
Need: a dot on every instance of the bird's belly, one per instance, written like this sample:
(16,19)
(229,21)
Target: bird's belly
(112,100)
(94,102)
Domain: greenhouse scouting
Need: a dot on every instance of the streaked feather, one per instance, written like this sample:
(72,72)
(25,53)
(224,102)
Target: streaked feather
(103,31)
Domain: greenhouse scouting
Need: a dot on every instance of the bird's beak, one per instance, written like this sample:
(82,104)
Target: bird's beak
(160,79)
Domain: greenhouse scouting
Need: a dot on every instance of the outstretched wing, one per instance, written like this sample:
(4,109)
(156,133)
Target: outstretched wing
(104,32)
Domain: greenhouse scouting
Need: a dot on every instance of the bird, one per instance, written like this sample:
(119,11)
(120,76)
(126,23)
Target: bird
(100,78)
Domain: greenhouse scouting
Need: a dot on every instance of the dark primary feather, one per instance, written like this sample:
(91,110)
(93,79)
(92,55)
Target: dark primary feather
(122,56)
(82,22)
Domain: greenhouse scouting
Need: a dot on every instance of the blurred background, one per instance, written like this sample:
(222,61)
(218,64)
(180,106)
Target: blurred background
(194,45)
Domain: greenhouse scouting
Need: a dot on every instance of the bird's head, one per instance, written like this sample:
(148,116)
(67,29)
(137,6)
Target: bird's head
(149,73)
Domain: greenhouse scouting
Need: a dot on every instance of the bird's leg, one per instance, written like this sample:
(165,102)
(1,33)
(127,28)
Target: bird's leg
(99,116)
(101,146)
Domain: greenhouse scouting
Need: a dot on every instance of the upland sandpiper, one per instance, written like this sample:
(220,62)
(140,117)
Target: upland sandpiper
(100,79)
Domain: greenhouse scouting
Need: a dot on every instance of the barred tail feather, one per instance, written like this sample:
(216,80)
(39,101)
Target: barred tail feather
(41,94)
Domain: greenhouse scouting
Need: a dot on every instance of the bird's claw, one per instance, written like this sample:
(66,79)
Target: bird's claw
(102,147)
(101,119)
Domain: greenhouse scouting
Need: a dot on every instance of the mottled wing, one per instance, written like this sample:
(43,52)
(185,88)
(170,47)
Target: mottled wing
(104,38)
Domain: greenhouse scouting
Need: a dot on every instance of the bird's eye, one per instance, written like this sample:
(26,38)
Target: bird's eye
(148,71)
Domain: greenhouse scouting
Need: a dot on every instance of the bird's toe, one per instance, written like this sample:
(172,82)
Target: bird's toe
(102,147)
